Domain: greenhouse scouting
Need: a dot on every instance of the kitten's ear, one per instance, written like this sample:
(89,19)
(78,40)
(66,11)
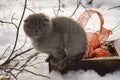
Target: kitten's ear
(25,20)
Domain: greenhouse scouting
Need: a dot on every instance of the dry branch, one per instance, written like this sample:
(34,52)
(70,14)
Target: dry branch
(56,12)
(114,7)
(77,7)
(30,10)
(9,23)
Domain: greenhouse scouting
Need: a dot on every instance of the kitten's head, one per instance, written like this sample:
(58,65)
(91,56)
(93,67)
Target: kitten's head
(37,25)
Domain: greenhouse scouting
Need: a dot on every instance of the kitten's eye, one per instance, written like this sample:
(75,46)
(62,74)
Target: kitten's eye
(46,19)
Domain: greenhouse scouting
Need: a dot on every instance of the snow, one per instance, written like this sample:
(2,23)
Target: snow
(8,32)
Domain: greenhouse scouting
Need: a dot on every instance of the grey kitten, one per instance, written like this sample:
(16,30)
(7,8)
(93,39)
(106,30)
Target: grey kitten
(59,37)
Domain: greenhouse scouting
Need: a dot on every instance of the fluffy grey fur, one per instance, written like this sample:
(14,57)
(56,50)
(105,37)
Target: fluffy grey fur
(57,37)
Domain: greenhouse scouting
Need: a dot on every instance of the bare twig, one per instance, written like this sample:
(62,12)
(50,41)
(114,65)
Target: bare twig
(78,4)
(9,23)
(4,52)
(116,27)
(36,73)
(13,18)
(58,7)
(20,54)
(33,66)
(31,10)
(22,45)
(16,40)
(12,75)
(27,61)
(37,63)
(56,12)
(32,73)
(114,7)
(90,2)
(83,6)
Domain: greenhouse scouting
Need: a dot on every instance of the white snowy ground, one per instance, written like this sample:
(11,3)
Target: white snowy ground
(7,32)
